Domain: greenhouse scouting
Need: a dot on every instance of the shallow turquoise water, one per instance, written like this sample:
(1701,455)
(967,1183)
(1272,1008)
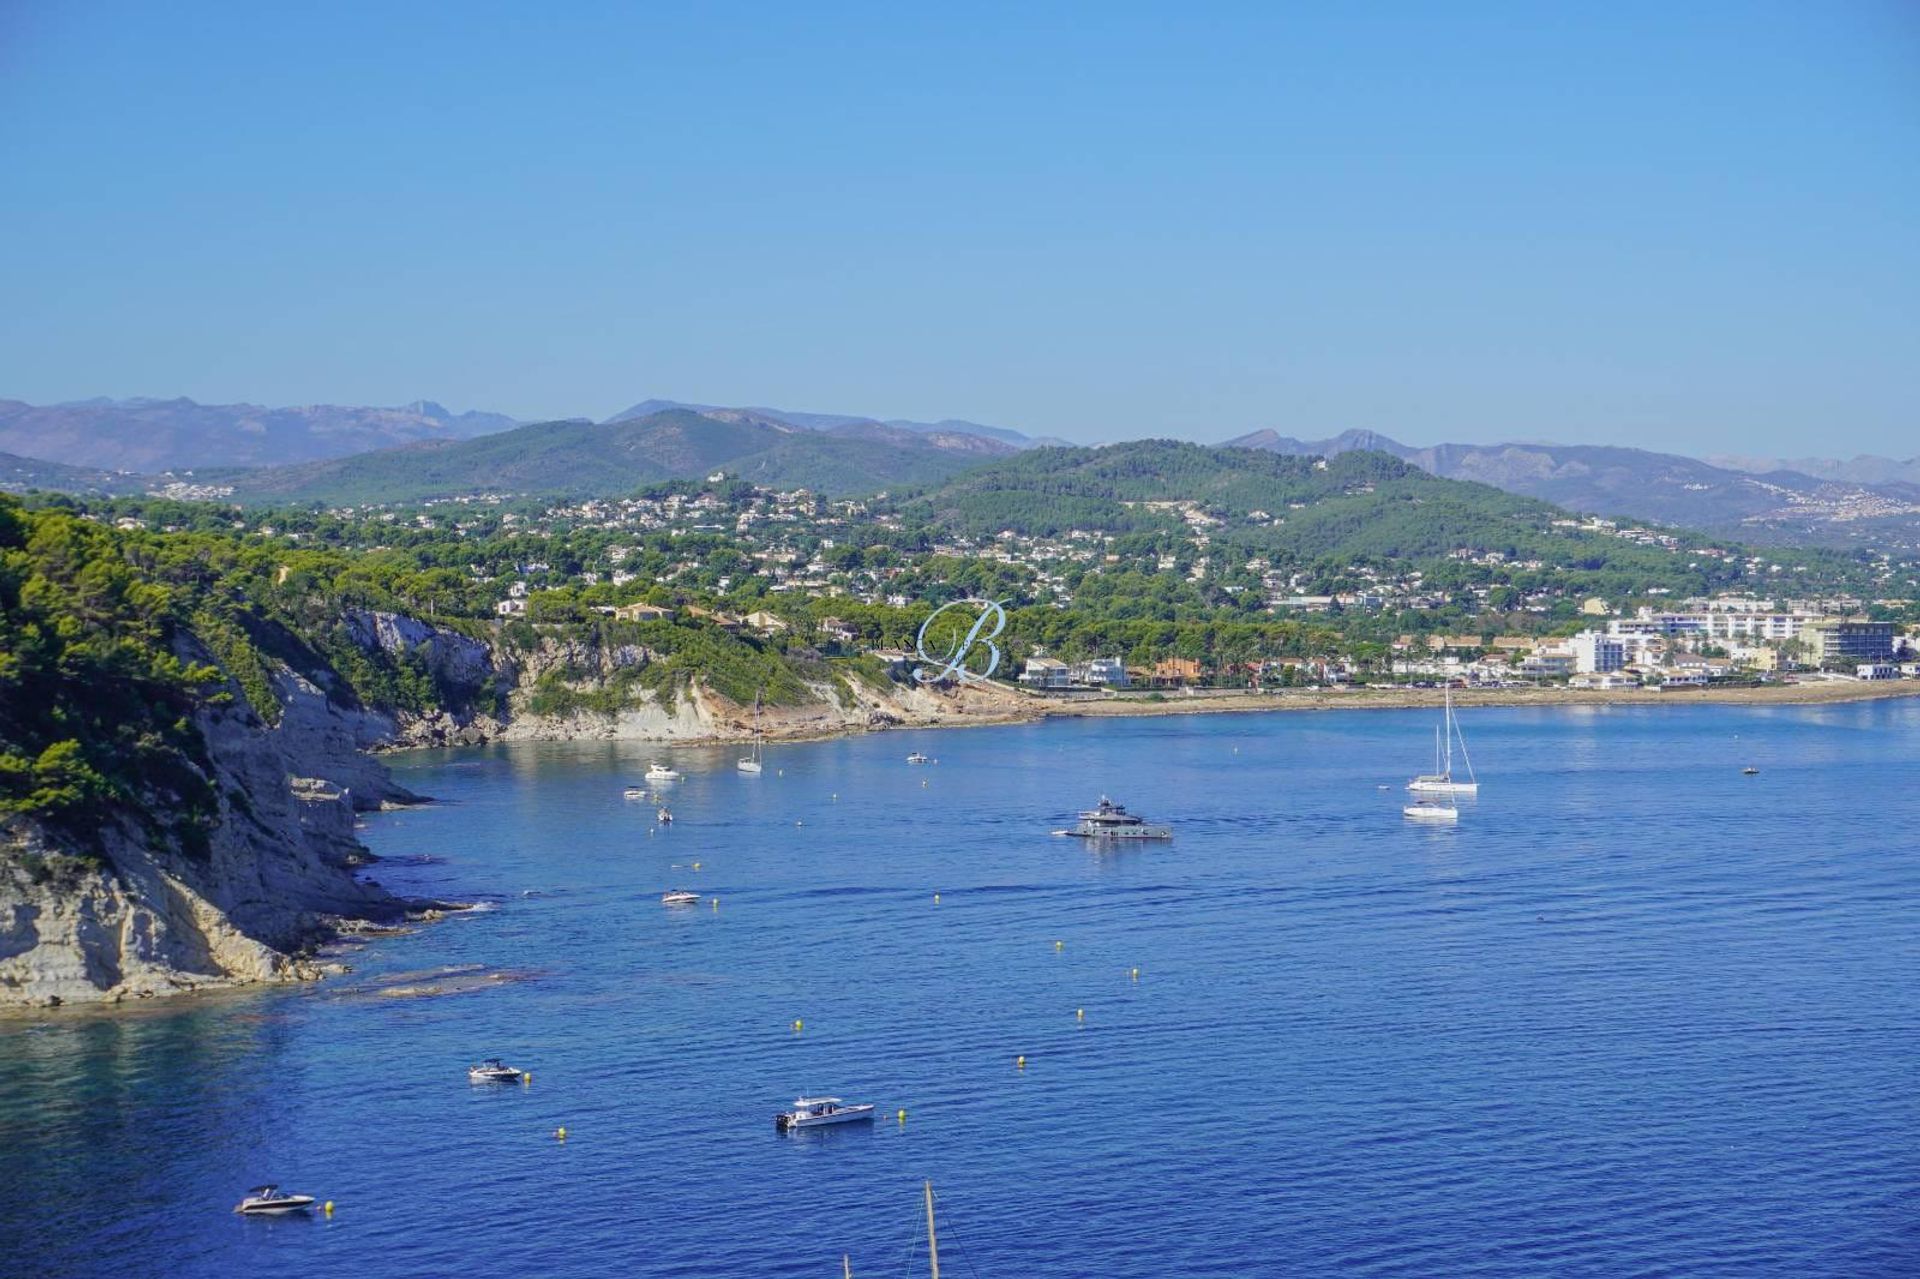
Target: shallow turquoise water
(1637,1015)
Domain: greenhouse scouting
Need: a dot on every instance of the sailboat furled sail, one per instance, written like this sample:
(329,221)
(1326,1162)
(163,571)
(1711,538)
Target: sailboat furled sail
(1441,780)
(750,762)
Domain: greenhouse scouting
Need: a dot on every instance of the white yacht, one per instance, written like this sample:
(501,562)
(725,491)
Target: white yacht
(916,758)
(1441,780)
(658,772)
(680,897)
(1431,810)
(1111,821)
(268,1201)
(494,1071)
(818,1112)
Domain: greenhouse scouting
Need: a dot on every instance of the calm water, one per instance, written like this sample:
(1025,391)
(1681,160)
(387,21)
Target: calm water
(1637,1015)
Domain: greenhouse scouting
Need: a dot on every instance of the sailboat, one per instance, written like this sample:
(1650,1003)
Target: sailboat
(1441,780)
(933,1244)
(750,762)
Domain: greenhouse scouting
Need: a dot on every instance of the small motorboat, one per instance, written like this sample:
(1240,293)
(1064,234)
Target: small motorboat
(1427,811)
(1749,772)
(268,1201)
(818,1112)
(679,897)
(658,772)
(635,792)
(665,815)
(494,1071)
(917,758)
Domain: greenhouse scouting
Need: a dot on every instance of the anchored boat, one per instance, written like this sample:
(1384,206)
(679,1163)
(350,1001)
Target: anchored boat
(1112,821)
(658,772)
(268,1201)
(818,1112)
(679,897)
(494,1071)
(1441,780)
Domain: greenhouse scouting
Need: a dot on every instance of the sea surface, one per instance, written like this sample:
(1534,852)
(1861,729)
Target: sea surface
(1637,1014)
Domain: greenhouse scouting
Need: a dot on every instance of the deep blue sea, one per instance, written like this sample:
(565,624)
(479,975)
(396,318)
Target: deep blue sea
(1637,1014)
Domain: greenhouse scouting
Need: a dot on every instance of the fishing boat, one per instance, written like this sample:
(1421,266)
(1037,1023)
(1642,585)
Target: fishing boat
(1112,821)
(679,897)
(1441,780)
(658,772)
(494,1071)
(916,758)
(1431,810)
(750,762)
(819,1112)
(268,1201)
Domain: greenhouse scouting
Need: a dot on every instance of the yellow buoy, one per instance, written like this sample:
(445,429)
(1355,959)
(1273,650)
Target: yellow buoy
(901,1116)
(1136,974)
(1079,1014)
(327,1207)
(1020,1063)
(1059,945)
(526,1076)
(560,1133)
(797,1023)
(696,865)
(936,899)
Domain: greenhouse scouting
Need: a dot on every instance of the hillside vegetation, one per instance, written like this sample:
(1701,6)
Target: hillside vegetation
(584,459)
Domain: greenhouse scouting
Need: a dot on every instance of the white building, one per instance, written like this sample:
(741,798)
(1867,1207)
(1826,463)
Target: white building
(1045,672)
(1101,670)
(1597,653)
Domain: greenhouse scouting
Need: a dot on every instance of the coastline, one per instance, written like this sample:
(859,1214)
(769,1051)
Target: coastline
(1004,706)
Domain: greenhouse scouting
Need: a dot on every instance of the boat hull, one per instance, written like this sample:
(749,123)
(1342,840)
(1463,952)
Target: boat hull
(277,1207)
(1109,836)
(1431,786)
(748,766)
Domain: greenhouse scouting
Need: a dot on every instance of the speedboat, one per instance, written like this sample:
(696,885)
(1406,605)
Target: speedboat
(1111,821)
(635,792)
(1749,772)
(665,815)
(916,758)
(679,897)
(658,772)
(1427,810)
(494,1071)
(818,1112)
(267,1201)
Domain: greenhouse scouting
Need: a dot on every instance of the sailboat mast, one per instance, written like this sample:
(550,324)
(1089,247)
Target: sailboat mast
(933,1246)
(1447,735)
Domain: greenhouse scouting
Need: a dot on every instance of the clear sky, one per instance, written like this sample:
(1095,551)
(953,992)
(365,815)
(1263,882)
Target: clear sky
(1689,226)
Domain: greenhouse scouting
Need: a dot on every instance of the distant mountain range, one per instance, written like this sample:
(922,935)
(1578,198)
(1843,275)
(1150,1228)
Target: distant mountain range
(336,453)
(1778,506)
(585,459)
(151,435)
(168,435)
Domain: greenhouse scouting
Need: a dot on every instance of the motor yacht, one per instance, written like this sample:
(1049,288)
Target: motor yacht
(916,758)
(658,772)
(1111,821)
(494,1071)
(818,1112)
(680,897)
(268,1201)
(1427,810)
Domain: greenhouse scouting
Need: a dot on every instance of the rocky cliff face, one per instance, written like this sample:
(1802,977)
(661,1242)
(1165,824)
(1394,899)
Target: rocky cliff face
(138,912)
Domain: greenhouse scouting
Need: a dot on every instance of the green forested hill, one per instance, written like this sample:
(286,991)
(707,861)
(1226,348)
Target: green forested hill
(584,459)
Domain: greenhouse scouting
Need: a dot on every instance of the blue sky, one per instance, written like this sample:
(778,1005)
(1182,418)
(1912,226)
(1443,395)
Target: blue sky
(1684,226)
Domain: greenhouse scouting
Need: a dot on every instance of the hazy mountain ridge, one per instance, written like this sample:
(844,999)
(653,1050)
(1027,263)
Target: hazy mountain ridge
(1777,506)
(178,434)
(836,421)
